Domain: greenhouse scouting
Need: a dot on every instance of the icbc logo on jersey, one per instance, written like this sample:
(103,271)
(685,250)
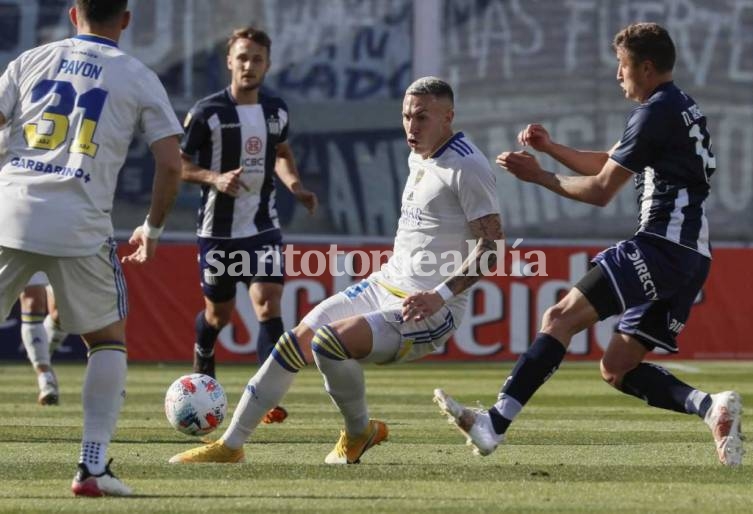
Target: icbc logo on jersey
(253,145)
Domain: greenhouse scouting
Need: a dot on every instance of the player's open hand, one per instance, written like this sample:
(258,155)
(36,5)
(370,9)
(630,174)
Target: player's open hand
(521,164)
(230,182)
(421,305)
(535,136)
(146,248)
(308,199)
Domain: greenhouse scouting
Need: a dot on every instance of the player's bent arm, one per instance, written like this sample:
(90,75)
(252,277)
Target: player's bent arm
(167,174)
(488,231)
(3,120)
(582,162)
(595,189)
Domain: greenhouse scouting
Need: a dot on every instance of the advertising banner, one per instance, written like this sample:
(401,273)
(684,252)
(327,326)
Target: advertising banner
(503,314)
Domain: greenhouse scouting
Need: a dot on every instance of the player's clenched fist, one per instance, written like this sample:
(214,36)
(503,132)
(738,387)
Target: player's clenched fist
(535,136)
(521,164)
(230,183)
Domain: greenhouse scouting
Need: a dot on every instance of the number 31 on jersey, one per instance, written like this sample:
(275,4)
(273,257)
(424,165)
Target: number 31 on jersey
(53,133)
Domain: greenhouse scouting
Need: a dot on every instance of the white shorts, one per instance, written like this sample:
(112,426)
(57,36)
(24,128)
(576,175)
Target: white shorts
(394,340)
(38,279)
(90,291)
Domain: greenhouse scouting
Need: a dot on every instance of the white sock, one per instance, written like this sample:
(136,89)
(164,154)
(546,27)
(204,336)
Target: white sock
(102,396)
(35,341)
(93,455)
(264,391)
(47,377)
(344,381)
(55,335)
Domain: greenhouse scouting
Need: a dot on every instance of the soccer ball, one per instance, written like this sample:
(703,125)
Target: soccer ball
(195,404)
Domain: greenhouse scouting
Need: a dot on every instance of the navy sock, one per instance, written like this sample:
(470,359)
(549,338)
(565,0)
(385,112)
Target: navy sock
(269,332)
(658,387)
(533,368)
(206,335)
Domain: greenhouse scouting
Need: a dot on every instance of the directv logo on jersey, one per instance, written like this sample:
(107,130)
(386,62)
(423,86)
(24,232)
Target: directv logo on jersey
(644,275)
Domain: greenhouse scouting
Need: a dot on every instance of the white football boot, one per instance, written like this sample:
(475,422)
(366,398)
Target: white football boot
(106,484)
(724,418)
(49,394)
(475,424)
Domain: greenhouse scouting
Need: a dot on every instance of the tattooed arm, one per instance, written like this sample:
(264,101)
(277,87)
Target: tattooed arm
(488,231)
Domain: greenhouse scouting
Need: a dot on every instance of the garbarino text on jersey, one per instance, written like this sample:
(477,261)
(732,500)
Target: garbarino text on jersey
(44,167)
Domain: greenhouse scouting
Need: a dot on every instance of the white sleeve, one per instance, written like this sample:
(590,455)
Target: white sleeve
(477,189)
(9,90)
(158,119)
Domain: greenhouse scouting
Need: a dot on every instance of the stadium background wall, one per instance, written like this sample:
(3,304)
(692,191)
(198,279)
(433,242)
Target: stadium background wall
(342,66)
(501,319)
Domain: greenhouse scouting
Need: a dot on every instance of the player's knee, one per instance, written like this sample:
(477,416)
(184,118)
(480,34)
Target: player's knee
(554,320)
(267,309)
(611,374)
(218,318)
(289,353)
(327,343)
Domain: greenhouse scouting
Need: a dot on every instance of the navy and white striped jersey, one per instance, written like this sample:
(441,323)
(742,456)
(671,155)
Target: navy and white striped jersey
(668,148)
(222,136)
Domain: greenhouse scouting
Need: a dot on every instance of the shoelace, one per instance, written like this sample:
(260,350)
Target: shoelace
(342,446)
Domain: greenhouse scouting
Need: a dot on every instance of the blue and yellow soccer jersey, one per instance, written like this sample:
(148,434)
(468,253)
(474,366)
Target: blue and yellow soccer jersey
(222,136)
(668,148)
(73,107)
(442,194)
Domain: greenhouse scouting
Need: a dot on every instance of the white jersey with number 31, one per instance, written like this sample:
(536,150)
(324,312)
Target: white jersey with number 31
(73,107)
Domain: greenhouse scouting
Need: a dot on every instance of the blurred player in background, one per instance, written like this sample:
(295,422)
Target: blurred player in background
(408,308)
(40,329)
(41,335)
(652,278)
(73,107)
(235,143)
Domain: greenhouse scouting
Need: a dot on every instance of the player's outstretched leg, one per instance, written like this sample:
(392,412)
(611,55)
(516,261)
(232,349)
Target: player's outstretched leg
(475,424)
(724,418)
(263,391)
(658,387)
(485,429)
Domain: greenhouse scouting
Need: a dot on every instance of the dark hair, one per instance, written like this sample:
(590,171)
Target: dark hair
(101,11)
(257,36)
(431,86)
(647,42)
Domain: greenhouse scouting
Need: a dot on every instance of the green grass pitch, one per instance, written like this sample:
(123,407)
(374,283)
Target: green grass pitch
(579,446)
